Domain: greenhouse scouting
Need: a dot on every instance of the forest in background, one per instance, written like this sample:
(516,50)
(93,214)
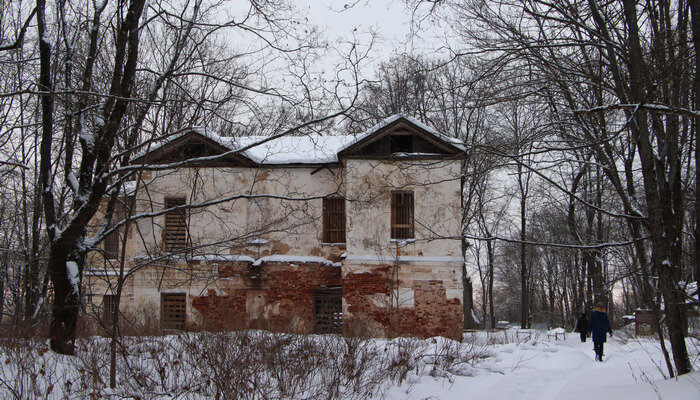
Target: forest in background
(579,118)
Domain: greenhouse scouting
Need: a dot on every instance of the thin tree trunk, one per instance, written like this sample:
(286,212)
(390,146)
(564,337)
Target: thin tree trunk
(490,260)
(695,23)
(524,294)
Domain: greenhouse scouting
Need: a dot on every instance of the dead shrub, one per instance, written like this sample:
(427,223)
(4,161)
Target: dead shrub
(247,365)
(27,371)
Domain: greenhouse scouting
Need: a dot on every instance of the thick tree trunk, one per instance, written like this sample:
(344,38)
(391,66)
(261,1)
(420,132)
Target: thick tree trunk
(66,304)
(663,227)
(467,304)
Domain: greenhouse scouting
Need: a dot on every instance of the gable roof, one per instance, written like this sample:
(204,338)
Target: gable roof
(385,126)
(212,144)
(307,149)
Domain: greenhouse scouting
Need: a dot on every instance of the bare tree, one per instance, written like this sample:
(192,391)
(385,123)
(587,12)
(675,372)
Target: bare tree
(115,77)
(619,77)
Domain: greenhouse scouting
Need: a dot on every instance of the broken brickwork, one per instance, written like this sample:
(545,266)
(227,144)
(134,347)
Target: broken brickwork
(408,307)
(277,296)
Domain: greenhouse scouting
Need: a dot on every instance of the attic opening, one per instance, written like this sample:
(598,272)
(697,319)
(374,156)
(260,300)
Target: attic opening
(192,150)
(401,143)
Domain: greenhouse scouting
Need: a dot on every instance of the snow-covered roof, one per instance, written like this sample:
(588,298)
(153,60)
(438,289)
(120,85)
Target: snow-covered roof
(389,120)
(307,149)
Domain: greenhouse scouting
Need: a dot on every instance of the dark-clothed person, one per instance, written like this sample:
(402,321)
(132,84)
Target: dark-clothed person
(582,327)
(599,326)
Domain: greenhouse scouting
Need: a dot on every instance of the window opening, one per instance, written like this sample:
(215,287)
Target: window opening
(175,233)
(401,143)
(111,245)
(328,310)
(334,220)
(109,305)
(402,215)
(193,150)
(172,311)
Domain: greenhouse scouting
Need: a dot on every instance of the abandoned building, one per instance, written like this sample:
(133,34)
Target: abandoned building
(315,233)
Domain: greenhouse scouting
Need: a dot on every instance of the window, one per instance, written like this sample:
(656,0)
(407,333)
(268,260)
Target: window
(328,310)
(402,215)
(111,245)
(109,305)
(172,311)
(401,144)
(193,150)
(175,233)
(111,241)
(334,220)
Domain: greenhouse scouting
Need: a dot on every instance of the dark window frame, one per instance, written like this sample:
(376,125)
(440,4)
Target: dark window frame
(402,215)
(193,150)
(328,310)
(111,245)
(175,225)
(334,219)
(400,143)
(109,303)
(173,311)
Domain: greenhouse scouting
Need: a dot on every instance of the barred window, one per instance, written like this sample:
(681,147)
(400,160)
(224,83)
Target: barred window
(175,233)
(402,215)
(111,245)
(334,220)
(172,311)
(109,305)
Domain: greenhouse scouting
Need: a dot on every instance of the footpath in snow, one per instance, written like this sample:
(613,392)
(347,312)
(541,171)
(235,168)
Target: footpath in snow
(543,368)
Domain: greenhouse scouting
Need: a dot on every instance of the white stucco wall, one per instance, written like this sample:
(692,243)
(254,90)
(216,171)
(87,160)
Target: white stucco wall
(437,204)
(291,220)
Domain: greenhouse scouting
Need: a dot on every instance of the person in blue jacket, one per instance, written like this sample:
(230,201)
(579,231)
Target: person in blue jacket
(599,326)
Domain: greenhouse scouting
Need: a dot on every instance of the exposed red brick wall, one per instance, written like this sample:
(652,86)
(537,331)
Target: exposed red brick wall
(432,313)
(274,295)
(221,312)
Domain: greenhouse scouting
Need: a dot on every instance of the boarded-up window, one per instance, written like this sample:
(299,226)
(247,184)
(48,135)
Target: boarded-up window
(111,245)
(109,305)
(402,215)
(175,233)
(172,311)
(334,220)
(328,310)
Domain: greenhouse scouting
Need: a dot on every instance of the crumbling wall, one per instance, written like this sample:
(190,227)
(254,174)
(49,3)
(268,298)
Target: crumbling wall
(402,299)
(226,295)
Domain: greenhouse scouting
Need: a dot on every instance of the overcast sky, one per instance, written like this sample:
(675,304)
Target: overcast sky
(392,20)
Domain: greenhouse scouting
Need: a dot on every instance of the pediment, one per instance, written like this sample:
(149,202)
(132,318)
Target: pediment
(192,145)
(401,137)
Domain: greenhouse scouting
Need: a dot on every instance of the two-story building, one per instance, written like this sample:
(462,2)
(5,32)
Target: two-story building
(314,233)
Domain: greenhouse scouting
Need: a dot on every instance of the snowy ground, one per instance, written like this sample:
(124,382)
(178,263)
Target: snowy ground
(547,369)
(262,365)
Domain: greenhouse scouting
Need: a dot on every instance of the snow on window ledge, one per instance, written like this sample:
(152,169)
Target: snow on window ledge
(402,242)
(341,245)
